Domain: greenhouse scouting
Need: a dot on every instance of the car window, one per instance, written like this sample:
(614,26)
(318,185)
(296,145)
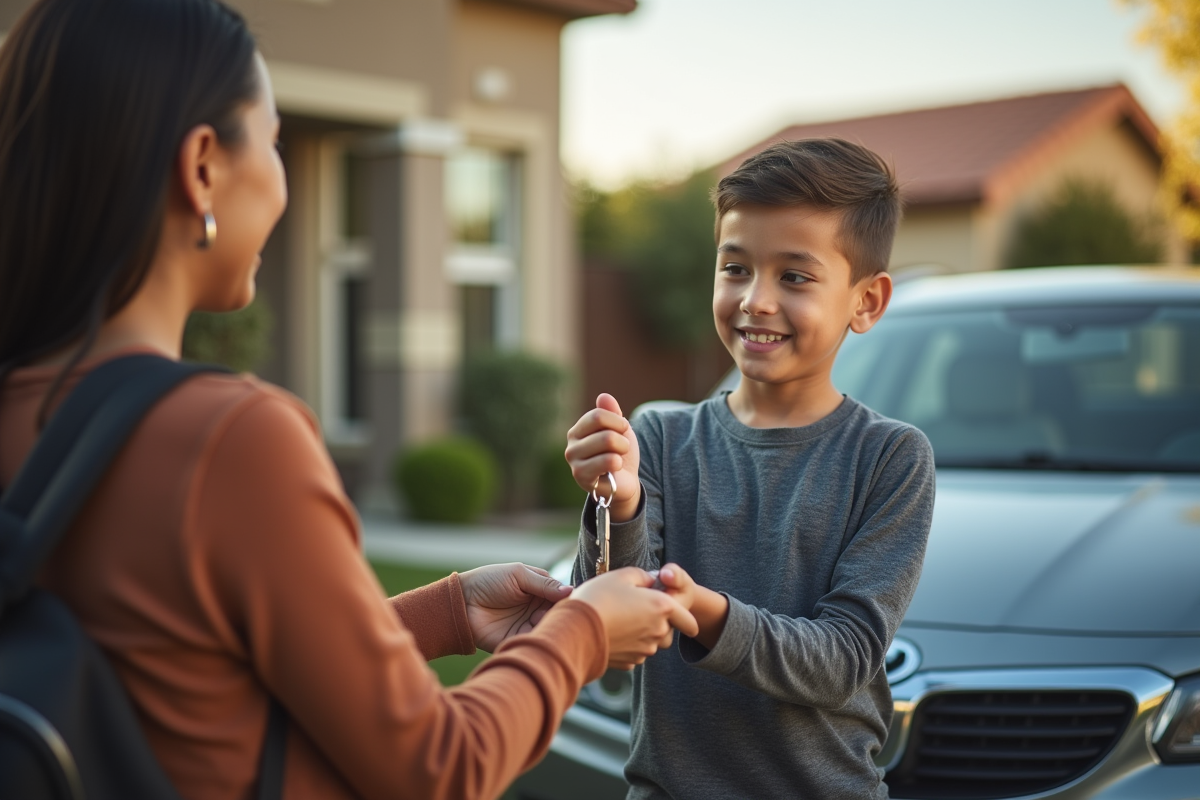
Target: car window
(1114,387)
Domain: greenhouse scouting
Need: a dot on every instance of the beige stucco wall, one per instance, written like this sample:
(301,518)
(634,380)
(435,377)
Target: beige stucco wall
(523,43)
(398,39)
(10,10)
(934,236)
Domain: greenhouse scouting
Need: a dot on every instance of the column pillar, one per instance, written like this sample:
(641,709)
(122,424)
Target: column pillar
(412,332)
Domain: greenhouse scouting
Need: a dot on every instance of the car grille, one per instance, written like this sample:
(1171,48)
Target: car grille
(1006,744)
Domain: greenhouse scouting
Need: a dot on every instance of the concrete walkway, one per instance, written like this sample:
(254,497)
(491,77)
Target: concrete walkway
(459,547)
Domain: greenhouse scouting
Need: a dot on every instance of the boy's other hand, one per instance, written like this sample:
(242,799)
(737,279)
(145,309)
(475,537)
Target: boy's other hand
(709,608)
(603,441)
(677,583)
(637,618)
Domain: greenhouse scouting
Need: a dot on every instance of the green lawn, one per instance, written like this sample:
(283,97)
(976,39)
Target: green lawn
(396,579)
(451,669)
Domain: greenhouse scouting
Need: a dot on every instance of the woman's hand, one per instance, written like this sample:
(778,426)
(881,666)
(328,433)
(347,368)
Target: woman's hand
(603,441)
(504,600)
(637,618)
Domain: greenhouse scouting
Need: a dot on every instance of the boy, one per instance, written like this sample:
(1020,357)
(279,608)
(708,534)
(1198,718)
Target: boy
(800,514)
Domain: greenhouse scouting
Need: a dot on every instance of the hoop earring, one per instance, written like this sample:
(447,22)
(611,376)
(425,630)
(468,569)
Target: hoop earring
(210,231)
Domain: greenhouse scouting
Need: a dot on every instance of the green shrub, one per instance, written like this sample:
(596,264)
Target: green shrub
(559,489)
(239,340)
(446,480)
(511,402)
(1083,222)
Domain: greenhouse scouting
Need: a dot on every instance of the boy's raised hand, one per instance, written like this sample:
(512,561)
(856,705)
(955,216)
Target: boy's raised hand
(603,441)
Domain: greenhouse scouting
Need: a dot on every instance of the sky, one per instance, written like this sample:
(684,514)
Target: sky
(684,84)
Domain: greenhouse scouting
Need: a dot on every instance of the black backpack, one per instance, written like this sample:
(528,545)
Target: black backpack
(67,728)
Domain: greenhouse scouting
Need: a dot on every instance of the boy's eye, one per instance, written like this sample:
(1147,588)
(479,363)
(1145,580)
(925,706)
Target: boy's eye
(734,269)
(793,277)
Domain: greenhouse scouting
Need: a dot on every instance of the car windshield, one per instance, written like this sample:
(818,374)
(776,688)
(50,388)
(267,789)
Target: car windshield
(1113,388)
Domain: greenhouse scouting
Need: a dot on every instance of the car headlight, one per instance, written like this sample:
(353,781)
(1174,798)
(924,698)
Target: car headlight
(1176,731)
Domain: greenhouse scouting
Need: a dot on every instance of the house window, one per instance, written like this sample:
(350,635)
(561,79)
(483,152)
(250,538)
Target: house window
(480,198)
(483,206)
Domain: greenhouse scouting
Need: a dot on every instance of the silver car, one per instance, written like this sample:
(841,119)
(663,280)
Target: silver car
(1053,645)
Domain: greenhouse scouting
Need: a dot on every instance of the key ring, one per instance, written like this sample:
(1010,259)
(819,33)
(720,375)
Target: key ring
(607,501)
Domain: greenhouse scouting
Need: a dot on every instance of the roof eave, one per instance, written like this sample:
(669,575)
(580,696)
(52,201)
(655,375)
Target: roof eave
(577,9)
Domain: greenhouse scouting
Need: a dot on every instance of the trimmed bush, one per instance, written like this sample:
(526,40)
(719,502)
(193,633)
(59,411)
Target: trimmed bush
(239,340)
(511,402)
(1083,222)
(559,489)
(446,480)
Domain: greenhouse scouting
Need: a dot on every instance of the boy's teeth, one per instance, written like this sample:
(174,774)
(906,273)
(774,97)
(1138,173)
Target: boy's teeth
(763,338)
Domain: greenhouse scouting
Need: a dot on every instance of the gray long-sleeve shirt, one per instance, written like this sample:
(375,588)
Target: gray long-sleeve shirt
(816,535)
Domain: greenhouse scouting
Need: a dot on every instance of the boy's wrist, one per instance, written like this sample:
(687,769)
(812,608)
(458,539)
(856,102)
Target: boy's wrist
(625,510)
(710,609)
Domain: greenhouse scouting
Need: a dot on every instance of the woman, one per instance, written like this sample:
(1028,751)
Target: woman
(218,563)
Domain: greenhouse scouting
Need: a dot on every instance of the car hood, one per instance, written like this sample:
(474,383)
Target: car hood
(1068,552)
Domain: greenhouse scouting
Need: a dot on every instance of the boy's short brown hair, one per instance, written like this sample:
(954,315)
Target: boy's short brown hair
(828,174)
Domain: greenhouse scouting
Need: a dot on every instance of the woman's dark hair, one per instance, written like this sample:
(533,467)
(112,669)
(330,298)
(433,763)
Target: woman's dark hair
(96,97)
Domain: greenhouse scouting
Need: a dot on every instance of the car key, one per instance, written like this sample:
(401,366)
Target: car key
(602,522)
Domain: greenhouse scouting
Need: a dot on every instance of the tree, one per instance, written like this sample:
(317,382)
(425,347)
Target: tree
(1083,223)
(664,236)
(1174,28)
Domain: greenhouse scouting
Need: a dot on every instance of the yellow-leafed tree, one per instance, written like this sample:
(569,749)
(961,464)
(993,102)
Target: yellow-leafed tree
(1173,27)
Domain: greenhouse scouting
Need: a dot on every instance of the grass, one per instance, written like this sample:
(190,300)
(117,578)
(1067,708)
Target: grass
(451,670)
(396,578)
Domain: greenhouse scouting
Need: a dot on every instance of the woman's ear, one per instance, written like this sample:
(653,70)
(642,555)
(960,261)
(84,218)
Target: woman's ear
(872,296)
(198,167)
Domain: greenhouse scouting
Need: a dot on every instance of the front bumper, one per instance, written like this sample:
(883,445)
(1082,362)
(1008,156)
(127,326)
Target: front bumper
(587,757)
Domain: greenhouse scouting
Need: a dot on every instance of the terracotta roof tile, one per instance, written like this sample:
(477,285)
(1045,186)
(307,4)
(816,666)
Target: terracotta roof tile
(976,151)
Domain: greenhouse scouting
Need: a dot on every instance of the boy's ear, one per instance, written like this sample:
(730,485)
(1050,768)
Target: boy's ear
(872,297)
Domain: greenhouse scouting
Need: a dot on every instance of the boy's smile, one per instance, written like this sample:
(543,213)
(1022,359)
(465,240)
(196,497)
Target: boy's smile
(783,301)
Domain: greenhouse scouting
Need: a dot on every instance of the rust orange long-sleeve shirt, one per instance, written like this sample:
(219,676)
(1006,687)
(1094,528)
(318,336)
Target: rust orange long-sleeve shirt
(219,560)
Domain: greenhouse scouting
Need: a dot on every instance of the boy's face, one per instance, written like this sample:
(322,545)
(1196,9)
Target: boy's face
(782,297)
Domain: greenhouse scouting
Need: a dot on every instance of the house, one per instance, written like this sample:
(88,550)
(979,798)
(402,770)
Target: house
(970,172)
(428,214)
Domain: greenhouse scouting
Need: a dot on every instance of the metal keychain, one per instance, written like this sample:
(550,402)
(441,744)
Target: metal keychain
(602,522)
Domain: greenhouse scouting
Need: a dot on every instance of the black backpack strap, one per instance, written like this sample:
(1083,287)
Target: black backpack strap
(72,455)
(270,765)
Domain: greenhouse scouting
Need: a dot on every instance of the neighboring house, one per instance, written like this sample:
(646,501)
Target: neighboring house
(428,214)
(969,172)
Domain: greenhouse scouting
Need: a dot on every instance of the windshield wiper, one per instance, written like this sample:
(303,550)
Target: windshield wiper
(1045,461)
